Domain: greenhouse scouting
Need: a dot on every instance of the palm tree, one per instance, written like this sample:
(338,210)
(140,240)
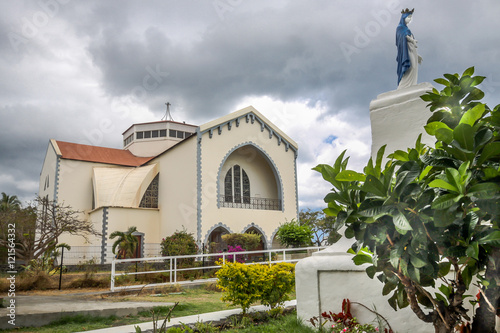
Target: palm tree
(9,203)
(126,243)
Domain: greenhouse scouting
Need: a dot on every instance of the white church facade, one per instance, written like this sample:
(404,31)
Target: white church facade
(233,174)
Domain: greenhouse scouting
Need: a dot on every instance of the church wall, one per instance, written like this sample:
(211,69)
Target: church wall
(216,149)
(75,190)
(145,219)
(48,175)
(177,189)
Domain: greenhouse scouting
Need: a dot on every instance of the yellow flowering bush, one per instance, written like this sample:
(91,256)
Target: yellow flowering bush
(244,285)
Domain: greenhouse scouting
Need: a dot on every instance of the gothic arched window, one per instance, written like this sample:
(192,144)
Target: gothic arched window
(237,186)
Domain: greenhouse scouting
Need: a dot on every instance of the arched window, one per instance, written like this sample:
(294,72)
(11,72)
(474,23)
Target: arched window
(237,185)
(150,198)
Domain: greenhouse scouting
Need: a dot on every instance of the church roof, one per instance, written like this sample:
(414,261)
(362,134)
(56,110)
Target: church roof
(79,152)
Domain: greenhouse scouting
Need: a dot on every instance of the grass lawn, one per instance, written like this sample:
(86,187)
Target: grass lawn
(191,301)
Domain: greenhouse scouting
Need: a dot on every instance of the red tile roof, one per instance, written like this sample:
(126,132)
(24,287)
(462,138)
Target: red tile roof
(79,152)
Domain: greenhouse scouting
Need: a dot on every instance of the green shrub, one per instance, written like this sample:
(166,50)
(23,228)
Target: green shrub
(179,244)
(244,285)
(248,241)
(280,282)
(295,235)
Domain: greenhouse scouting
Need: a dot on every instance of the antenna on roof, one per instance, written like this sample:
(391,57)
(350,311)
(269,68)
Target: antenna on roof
(167,115)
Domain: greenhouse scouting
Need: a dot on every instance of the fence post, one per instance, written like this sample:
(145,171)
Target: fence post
(113,275)
(170,270)
(175,270)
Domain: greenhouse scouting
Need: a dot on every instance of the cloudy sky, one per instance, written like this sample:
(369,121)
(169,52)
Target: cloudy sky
(84,71)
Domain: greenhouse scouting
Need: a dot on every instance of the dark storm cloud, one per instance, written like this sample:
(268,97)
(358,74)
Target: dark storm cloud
(63,77)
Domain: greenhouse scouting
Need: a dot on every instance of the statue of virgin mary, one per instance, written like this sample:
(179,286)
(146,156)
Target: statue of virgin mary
(408,58)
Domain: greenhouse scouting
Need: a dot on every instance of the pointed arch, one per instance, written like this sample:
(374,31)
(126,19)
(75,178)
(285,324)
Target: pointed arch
(250,200)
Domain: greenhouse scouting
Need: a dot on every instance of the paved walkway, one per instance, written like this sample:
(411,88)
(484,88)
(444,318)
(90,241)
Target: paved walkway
(204,317)
(41,310)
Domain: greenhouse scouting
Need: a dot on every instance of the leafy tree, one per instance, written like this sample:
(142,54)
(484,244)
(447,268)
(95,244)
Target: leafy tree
(430,209)
(9,203)
(321,225)
(39,225)
(293,234)
(125,242)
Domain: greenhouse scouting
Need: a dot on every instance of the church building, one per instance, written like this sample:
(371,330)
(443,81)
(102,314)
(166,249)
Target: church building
(237,173)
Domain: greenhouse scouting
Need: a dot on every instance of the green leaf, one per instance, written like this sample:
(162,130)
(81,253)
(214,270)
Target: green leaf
(361,259)
(469,71)
(424,172)
(473,250)
(490,150)
(472,115)
(440,183)
(370,271)
(442,81)
(400,221)
(373,185)
(445,290)
(444,268)
(444,134)
(485,189)
(432,127)
(388,287)
(400,155)
(441,298)
(417,262)
(493,238)
(464,134)
(350,176)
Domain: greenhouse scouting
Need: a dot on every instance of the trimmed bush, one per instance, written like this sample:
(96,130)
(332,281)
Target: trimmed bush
(244,285)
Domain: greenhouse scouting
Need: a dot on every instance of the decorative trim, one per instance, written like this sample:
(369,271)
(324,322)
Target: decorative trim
(198,184)
(276,172)
(104,234)
(250,117)
(273,235)
(56,180)
(220,224)
(266,240)
(296,185)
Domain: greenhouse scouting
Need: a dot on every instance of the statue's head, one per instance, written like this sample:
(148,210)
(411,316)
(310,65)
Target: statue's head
(406,16)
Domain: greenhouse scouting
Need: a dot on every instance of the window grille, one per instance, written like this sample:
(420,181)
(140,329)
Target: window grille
(150,197)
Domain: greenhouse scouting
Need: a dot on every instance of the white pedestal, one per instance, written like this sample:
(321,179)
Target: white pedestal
(398,117)
(326,278)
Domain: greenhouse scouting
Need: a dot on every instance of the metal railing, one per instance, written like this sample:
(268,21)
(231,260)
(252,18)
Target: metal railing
(249,202)
(173,269)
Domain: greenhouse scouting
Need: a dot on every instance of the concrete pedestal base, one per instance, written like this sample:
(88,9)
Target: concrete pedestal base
(398,117)
(328,277)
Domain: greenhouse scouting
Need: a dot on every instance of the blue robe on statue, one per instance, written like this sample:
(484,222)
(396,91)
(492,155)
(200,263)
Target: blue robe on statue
(403,57)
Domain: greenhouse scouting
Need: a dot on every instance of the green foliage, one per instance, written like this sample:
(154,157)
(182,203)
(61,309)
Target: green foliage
(248,241)
(126,243)
(179,243)
(244,285)
(428,208)
(295,235)
(9,203)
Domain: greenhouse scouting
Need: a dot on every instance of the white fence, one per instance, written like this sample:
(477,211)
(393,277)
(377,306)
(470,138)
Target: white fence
(80,254)
(172,264)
